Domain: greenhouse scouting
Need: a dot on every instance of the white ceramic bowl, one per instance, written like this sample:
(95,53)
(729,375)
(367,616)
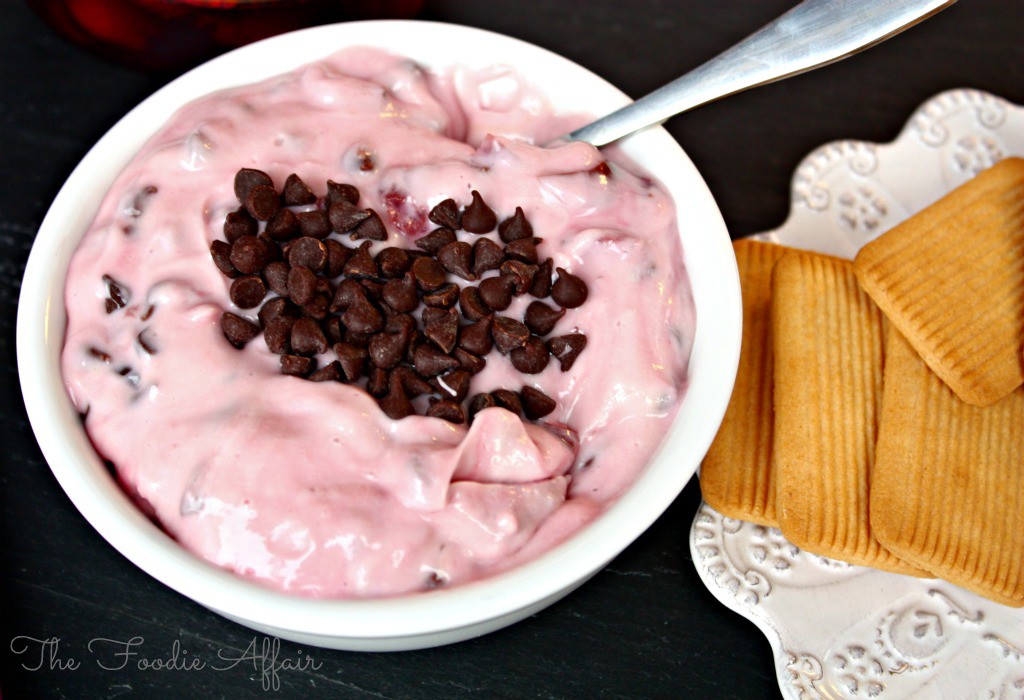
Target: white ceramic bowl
(411,621)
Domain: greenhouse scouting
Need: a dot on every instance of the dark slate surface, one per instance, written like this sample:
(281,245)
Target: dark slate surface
(645,626)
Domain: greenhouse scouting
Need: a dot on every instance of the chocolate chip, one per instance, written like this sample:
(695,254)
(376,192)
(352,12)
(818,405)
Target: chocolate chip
(478,217)
(348,292)
(314,223)
(99,355)
(308,252)
(239,223)
(435,240)
(541,285)
(497,291)
(345,216)
(396,404)
(220,251)
(475,338)
(277,333)
(508,334)
(331,372)
(307,338)
(284,226)
(468,361)
(247,291)
(238,330)
(271,248)
(446,214)
(536,404)
(371,228)
(568,290)
(117,294)
(428,273)
(374,289)
(509,400)
(400,294)
(532,357)
(413,383)
(337,255)
(246,179)
(523,249)
(262,202)
(301,285)
(362,317)
(472,304)
(523,273)
(333,329)
(431,314)
(317,307)
(403,324)
(515,227)
(147,341)
(297,365)
(457,258)
(387,349)
(444,297)
(360,340)
(352,359)
(393,262)
(360,264)
(249,255)
(429,361)
(378,382)
(487,255)
(276,307)
(566,348)
(479,402)
(276,275)
(454,385)
(368,319)
(340,192)
(447,410)
(541,318)
(296,192)
(443,330)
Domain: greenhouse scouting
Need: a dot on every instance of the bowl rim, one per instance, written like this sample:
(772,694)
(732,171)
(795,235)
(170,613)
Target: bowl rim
(40,328)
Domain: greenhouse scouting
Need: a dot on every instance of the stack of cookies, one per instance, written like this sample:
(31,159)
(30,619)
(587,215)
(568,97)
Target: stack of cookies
(878,415)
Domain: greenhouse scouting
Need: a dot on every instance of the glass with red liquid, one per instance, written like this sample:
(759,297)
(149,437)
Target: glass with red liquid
(177,34)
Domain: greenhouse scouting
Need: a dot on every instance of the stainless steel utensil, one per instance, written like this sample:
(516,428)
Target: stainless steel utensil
(812,34)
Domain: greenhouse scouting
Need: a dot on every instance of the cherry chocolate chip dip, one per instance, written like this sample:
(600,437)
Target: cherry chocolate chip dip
(348,332)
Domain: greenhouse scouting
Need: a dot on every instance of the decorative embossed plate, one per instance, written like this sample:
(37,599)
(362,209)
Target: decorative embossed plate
(842,631)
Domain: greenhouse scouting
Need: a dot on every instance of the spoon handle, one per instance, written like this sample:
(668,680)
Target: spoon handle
(812,34)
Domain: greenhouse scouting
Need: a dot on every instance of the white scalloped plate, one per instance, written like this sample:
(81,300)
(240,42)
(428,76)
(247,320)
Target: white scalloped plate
(842,631)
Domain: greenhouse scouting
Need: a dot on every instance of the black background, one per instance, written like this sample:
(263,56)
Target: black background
(645,626)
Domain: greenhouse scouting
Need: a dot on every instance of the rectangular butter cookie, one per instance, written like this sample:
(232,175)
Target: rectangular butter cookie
(735,477)
(828,341)
(951,279)
(948,485)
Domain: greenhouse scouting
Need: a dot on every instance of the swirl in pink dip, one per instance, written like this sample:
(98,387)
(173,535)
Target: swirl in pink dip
(309,487)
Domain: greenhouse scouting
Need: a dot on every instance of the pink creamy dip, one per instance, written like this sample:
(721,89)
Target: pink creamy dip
(308,487)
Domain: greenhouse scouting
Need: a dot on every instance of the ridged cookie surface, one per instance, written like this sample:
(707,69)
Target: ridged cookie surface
(951,279)
(948,486)
(828,340)
(736,477)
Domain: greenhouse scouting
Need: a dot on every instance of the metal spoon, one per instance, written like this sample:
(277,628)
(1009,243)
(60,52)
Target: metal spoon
(814,33)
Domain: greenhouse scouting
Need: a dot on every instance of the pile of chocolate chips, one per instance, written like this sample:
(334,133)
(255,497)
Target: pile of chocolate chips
(366,308)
